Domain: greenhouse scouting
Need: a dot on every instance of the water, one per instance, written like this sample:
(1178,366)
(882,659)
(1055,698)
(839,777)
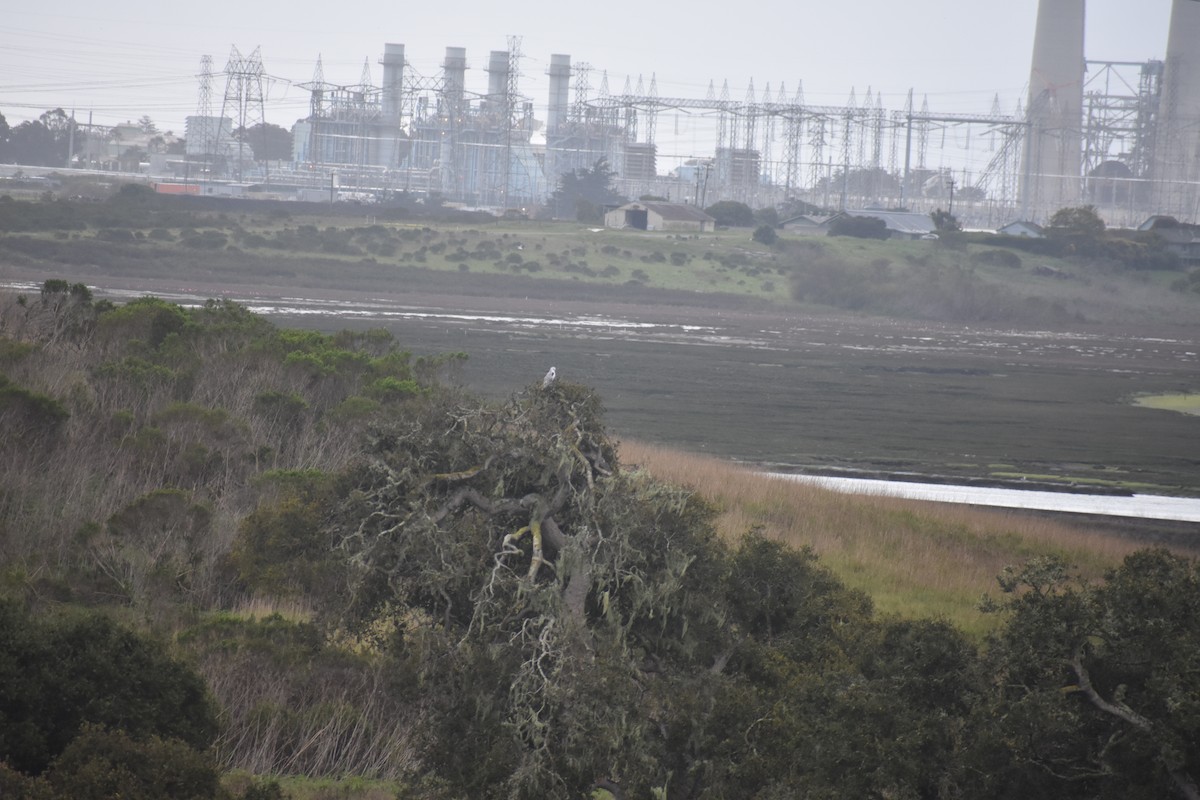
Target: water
(1144,506)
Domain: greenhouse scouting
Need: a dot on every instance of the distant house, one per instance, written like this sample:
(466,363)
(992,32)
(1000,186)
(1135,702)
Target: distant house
(1027,230)
(655,216)
(806,224)
(1178,237)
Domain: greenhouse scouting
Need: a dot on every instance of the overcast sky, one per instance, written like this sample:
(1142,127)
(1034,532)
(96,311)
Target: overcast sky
(121,60)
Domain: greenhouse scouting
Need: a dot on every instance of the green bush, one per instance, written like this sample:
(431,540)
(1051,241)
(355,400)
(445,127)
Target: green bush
(56,677)
(730,213)
(103,764)
(858,227)
(765,234)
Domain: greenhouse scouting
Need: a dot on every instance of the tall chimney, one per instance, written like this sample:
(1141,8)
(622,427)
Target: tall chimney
(560,91)
(393,80)
(1053,154)
(454,70)
(497,78)
(1177,157)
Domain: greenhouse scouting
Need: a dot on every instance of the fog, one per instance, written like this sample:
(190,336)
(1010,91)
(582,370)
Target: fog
(141,58)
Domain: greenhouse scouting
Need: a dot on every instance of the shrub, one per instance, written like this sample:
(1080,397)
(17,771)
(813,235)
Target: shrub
(765,234)
(731,213)
(103,764)
(57,677)
(859,227)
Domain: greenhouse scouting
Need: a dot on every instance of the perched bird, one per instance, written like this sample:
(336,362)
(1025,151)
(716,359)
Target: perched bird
(551,376)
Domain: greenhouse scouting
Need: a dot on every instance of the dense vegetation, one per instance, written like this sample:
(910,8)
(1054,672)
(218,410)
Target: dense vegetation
(1076,274)
(375,574)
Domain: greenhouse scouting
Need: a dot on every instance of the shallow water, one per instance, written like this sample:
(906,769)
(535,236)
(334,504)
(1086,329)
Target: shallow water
(1184,509)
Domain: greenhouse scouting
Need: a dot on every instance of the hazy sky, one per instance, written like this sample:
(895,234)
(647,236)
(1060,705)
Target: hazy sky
(121,60)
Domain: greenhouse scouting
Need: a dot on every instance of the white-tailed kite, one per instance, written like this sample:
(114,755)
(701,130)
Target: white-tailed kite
(551,376)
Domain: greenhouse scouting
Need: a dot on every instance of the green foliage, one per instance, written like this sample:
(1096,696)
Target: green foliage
(103,764)
(389,389)
(149,549)
(57,676)
(583,193)
(282,548)
(945,222)
(28,417)
(482,595)
(858,227)
(269,142)
(1099,685)
(147,319)
(1082,222)
(731,213)
(765,234)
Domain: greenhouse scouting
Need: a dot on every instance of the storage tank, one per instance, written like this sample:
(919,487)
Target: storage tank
(1177,170)
(1053,154)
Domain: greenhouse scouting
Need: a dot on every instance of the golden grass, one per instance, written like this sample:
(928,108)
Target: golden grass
(914,558)
(258,608)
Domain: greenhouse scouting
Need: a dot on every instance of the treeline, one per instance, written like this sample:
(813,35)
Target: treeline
(1079,232)
(135,206)
(376,574)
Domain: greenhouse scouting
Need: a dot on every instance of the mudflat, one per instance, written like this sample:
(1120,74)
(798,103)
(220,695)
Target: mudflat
(778,385)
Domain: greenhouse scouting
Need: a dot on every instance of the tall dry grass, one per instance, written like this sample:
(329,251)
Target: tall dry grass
(914,558)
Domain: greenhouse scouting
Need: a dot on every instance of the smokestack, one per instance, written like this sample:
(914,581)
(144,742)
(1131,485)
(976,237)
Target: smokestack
(497,78)
(560,76)
(393,80)
(1054,141)
(1177,160)
(454,70)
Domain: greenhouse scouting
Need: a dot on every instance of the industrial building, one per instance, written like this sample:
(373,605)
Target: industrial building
(1122,136)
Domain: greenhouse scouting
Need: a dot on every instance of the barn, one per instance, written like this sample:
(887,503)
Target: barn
(658,216)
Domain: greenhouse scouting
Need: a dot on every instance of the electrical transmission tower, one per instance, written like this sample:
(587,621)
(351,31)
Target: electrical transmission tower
(244,98)
(205,113)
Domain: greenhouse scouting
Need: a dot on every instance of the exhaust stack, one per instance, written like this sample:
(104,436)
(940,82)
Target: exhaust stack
(1177,160)
(1053,154)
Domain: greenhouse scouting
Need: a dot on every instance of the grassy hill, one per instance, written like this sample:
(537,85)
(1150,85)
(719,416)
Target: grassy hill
(198,241)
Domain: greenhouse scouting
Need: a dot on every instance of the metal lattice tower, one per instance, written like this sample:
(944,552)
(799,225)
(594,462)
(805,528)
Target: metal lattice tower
(317,89)
(794,131)
(652,113)
(244,98)
(582,74)
(204,108)
(923,134)
(512,102)
(768,132)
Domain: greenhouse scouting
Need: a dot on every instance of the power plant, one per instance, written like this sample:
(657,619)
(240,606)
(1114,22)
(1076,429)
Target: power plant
(1122,136)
